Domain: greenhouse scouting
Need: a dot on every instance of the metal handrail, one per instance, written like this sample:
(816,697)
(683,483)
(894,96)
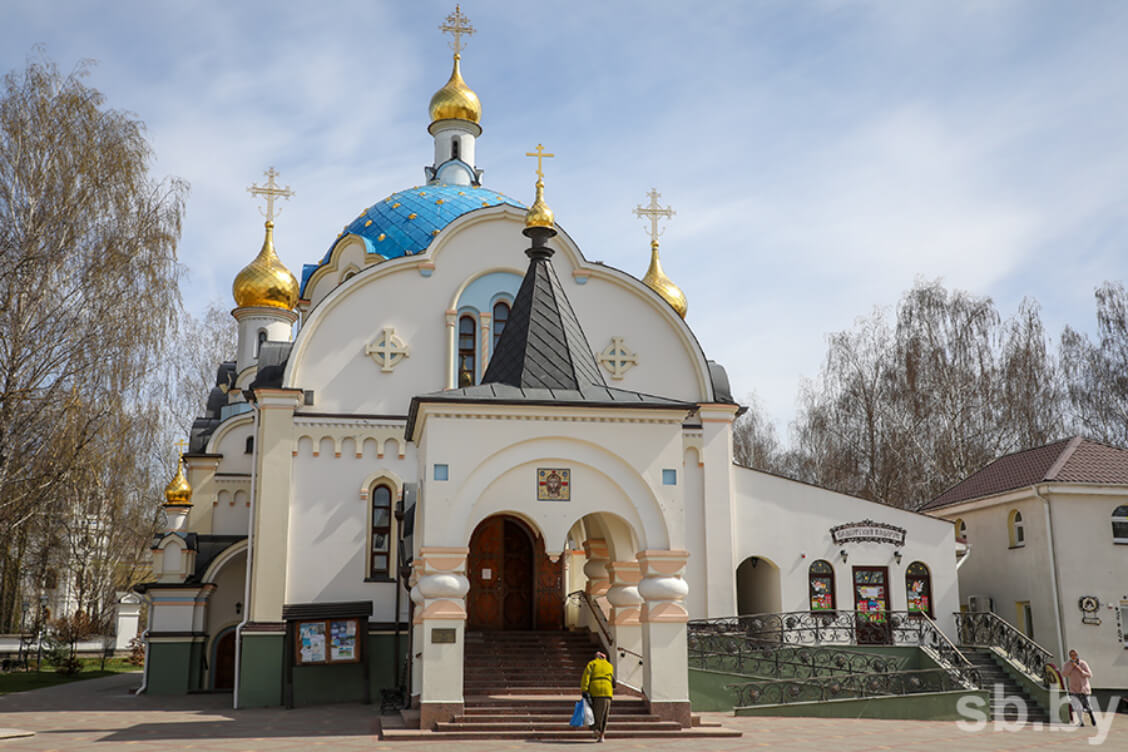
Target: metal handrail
(605,637)
(821,689)
(988,630)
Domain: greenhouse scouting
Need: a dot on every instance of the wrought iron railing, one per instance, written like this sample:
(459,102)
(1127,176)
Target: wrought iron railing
(845,686)
(769,644)
(629,664)
(983,629)
(602,626)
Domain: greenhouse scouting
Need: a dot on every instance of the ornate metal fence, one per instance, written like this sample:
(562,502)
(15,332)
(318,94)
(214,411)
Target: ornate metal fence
(985,629)
(847,686)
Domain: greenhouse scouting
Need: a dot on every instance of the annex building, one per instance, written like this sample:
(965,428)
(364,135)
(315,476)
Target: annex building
(452,422)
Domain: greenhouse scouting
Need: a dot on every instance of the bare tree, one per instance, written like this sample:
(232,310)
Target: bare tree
(1097,373)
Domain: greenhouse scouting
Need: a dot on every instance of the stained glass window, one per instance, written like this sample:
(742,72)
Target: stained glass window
(918,588)
(821,579)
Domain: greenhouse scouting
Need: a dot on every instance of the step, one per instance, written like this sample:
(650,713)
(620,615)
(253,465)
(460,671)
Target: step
(499,717)
(560,725)
(694,732)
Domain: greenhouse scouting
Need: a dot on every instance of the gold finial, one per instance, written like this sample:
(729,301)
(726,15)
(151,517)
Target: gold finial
(539,215)
(270,191)
(178,493)
(266,281)
(456,25)
(655,278)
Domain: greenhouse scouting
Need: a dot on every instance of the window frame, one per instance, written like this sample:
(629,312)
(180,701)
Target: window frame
(1016,529)
(961,529)
(460,372)
(495,332)
(1120,517)
(811,576)
(926,578)
(372,574)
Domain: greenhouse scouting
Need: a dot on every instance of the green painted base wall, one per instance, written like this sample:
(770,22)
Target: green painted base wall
(939,706)
(262,674)
(173,667)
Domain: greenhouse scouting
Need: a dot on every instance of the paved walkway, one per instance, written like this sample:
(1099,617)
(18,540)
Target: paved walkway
(100,714)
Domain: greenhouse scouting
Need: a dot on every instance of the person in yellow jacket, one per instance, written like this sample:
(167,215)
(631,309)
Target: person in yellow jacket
(598,686)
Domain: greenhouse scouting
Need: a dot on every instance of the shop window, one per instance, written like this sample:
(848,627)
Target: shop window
(821,585)
(1016,530)
(961,530)
(380,549)
(500,318)
(1120,524)
(918,589)
(467,351)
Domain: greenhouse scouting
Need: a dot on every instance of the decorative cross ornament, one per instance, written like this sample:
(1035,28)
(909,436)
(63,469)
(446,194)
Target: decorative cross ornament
(654,212)
(617,358)
(271,191)
(388,350)
(541,155)
(181,445)
(456,25)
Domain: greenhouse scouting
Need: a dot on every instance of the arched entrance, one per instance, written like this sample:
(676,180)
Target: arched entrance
(223,661)
(513,584)
(757,587)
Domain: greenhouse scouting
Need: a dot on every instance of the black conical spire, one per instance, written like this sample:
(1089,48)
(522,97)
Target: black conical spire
(542,345)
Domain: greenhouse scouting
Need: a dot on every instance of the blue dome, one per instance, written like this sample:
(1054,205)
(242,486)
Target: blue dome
(404,223)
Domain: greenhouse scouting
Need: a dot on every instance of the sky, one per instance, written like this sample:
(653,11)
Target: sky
(821,155)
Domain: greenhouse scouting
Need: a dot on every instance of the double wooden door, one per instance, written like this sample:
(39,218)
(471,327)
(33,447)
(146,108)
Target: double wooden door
(513,584)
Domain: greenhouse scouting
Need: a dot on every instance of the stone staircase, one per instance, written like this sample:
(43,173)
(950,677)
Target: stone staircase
(991,673)
(524,685)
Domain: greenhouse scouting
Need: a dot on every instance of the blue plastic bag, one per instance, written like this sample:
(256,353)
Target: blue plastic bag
(577,715)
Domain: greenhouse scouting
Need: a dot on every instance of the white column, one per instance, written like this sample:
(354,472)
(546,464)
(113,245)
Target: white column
(626,608)
(720,526)
(663,619)
(452,349)
(598,581)
(416,635)
(442,586)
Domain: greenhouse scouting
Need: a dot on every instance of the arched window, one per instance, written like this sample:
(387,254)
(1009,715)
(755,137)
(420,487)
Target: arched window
(467,351)
(261,340)
(821,584)
(454,148)
(380,549)
(250,445)
(961,530)
(1120,530)
(918,589)
(1014,527)
(500,317)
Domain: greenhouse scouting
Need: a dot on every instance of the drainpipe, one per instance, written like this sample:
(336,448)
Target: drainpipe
(145,673)
(250,562)
(965,557)
(1054,581)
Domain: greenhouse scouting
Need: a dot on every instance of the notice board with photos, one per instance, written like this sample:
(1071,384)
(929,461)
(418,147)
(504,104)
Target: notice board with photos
(324,641)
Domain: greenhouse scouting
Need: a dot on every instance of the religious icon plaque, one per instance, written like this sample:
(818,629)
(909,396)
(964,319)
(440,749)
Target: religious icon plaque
(554,484)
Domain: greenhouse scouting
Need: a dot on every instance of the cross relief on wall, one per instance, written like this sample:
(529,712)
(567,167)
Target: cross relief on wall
(617,358)
(387,350)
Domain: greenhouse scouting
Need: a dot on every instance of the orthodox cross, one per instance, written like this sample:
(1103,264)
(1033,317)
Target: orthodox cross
(617,358)
(181,445)
(271,191)
(388,350)
(456,25)
(654,212)
(541,155)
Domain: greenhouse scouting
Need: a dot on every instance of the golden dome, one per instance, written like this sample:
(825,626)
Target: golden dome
(266,281)
(657,281)
(456,100)
(178,493)
(539,215)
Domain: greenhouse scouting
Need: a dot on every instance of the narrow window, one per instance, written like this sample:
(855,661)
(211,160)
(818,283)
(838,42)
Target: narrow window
(500,317)
(918,588)
(250,446)
(261,340)
(467,351)
(1120,524)
(961,531)
(1025,618)
(1015,528)
(381,534)
(821,581)
(455,145)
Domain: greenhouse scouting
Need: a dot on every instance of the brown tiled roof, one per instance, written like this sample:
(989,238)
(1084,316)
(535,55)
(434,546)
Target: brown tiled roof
(1076,460)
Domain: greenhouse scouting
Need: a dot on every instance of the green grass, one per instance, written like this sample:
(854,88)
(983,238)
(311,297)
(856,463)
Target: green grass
(22,681)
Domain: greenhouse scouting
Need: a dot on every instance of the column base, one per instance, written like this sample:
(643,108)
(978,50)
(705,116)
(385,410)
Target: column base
(673,711)
(431,713)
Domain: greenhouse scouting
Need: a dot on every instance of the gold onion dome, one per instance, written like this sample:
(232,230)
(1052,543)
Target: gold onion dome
(657,281)
(456,100)
(266,281)
(539,215)
(178,492)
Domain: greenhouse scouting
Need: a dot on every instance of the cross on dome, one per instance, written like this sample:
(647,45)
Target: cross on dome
(456,25)
(541,155)
(181,445)
(654,212)
(270,191)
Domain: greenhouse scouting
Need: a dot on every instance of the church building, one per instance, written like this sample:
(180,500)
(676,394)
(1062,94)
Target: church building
(454,423)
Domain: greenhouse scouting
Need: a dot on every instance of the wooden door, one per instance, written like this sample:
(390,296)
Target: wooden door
(224,667)
(871,601)
(513,584)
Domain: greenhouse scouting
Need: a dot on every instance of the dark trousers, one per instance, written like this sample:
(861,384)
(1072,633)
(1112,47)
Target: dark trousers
(1082,701)
(600,708)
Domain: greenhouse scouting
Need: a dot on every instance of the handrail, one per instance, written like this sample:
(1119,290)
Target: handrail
(605,636)
(988,630)
(821,689)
